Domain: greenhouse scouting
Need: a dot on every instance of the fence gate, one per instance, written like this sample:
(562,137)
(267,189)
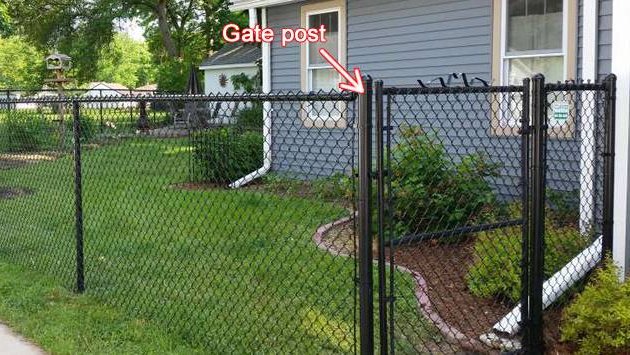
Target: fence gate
(476,187)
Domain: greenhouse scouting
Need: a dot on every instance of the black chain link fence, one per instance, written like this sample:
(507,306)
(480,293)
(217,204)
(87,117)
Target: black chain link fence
(462,238)
(236,222)
(454,213)
(190,214)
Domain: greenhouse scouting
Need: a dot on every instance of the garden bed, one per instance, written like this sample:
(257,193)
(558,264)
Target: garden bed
(442,293)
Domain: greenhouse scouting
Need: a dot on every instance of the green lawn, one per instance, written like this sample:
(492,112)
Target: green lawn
(62,322)
(225,270)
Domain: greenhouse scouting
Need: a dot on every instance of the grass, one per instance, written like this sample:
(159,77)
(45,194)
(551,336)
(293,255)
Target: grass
(225,270)
(62,322)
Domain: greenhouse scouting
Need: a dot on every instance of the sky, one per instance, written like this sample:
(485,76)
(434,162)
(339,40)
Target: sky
(132,28)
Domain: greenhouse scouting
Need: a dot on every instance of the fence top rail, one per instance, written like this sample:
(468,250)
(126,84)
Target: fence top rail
(227,97)
(393,90)
(575,86)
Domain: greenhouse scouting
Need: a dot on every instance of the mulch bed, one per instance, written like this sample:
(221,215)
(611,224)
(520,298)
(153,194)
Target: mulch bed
(444,268)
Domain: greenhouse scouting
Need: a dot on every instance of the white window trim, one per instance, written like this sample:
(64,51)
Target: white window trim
(306,69)
(309,67)
(499,60)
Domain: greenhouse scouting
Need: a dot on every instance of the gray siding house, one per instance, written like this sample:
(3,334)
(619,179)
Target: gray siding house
(401,41)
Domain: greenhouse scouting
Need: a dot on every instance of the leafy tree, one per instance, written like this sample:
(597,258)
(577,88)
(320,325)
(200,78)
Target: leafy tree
(125,61)
(75,27)
(21,64)
(5,20)
(179,32)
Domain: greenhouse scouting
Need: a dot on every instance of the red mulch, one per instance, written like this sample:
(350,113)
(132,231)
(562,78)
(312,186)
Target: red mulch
(444,268)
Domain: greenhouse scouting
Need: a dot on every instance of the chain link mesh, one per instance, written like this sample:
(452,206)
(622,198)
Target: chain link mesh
(231,219)
(226,219)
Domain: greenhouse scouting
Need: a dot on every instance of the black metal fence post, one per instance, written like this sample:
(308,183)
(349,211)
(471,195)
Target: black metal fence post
(525,177)
(537,215)
(78,198)
(100,110)
(380,201)
(609,162)
(366,307)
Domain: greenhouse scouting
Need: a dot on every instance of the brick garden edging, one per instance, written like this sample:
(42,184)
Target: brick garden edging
(451,333)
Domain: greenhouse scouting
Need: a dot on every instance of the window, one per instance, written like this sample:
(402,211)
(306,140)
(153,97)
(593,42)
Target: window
(320,75)
(316,73)
(531,37)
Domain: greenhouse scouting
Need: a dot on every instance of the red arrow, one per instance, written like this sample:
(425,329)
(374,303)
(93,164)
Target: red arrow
(353,84)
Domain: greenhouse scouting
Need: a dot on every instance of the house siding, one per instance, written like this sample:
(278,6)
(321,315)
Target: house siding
(402,41)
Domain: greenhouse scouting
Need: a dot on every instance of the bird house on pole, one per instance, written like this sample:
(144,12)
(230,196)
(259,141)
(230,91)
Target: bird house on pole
(58,61)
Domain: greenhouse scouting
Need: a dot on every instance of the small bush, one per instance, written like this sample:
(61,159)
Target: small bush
(250,118)
(564,207)
(431,192)
(598,321)
(25,132)
(496,269)
(87,128)
(222,155)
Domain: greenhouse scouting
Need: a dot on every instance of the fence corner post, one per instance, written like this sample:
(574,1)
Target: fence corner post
(610,87)
(78,199)
(366,306)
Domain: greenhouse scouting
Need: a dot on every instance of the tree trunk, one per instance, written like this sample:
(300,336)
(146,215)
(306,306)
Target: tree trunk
(165,31)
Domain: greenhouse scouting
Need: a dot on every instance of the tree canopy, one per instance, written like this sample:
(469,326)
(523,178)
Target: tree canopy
(178,32)
(21,64)
(5,20)
(125,61)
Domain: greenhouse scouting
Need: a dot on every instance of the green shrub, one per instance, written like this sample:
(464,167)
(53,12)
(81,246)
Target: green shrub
(87,126)
(496,268)
(598,321)
(222,155)
(250,118)
(564,207)
(431,192)
(22,131)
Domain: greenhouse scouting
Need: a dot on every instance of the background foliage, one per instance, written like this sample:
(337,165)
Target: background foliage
(178,33)
(21,64)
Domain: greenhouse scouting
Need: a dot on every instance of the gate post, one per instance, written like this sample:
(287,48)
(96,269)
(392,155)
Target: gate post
(610,84)
(537,215)
(525,207)
(78,199)
(366,306)
(380,202)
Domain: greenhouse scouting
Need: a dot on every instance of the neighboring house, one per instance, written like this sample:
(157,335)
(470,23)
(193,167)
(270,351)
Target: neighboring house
(401,41)
(219,68)
(232,59)
(102,89)
(148,89)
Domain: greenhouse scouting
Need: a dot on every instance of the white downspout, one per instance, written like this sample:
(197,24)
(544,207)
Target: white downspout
(587,118)
(584,262)
(557,284)
(266,88)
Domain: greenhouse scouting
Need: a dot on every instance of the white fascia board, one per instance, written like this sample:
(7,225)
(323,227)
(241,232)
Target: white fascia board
(249,4)
(227,66)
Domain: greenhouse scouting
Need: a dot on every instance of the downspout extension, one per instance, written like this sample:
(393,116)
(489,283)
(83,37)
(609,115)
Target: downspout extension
(266,88)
